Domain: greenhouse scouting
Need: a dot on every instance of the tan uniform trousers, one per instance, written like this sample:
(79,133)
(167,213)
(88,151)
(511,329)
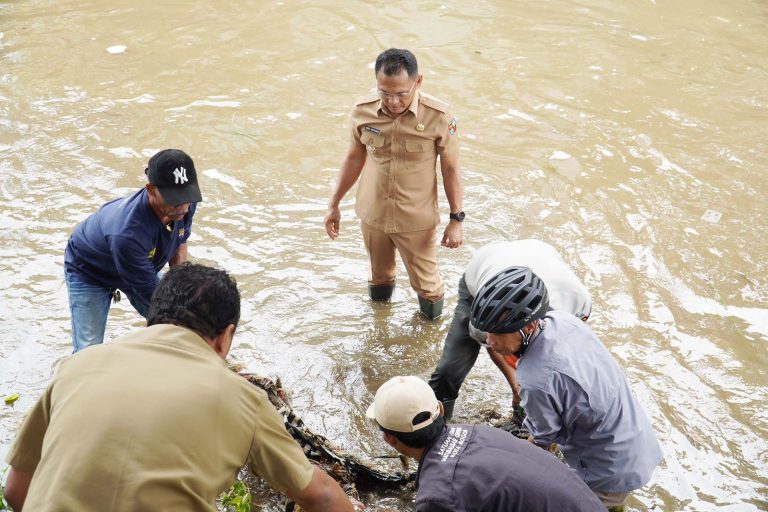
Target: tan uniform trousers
(418,249)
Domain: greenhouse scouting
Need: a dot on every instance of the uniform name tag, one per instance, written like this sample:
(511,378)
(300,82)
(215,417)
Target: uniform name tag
(372,130)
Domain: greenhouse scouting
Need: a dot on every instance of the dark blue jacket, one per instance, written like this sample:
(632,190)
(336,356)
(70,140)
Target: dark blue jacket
(479,468)
(124,245)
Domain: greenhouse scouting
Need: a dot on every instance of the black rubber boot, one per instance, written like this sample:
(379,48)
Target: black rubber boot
(381,292)
(431,310)
(448,409)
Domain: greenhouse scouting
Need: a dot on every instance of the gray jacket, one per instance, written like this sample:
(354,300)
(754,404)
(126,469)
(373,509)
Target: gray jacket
(477,468)
(575,395)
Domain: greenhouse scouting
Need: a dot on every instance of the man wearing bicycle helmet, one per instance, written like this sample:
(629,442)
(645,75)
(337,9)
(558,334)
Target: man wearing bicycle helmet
(571,388)
(463,341)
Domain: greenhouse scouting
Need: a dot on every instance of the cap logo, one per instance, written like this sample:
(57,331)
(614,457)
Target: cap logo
(180,175)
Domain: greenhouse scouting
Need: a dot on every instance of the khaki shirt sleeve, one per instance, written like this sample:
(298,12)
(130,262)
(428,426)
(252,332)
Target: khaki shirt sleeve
(26,451)
(448,135)
(275,455)
(354,134)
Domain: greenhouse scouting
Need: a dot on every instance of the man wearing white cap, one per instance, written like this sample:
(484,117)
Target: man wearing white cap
(472,467)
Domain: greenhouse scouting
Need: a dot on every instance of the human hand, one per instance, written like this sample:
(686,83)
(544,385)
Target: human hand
(454,235)
(357,505)
(332,219)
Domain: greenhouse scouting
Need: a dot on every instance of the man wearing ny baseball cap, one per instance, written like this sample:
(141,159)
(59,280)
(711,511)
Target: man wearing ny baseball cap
(472,467)
(125,244)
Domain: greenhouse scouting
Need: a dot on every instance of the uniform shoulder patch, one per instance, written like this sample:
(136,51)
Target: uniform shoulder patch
(368,98)
(433,102)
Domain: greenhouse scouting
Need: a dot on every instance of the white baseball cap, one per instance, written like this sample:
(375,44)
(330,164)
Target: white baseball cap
(399,400)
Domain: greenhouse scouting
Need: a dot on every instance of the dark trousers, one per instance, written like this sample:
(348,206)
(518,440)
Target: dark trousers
(459,351)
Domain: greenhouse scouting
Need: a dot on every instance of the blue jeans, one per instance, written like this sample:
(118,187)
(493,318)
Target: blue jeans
(89,307)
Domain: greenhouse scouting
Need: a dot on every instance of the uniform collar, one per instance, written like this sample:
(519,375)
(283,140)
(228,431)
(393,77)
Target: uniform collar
(427,449)
(181,338)
(414,106)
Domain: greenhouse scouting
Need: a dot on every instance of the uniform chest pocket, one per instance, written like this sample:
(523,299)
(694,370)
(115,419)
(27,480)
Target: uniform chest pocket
(419,154)
(418,145)
(374,142)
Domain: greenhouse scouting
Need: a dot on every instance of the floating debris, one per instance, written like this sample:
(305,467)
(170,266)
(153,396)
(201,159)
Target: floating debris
(560,155)
(118,48)
(712,216)
(348,469)
(344,467)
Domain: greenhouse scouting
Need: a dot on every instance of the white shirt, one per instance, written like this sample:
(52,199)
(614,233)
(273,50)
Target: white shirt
(566,292)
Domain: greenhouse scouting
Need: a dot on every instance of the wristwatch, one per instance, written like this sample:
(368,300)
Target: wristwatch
(457,216)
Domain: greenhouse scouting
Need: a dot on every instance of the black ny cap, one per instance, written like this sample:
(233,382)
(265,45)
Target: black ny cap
(172,171)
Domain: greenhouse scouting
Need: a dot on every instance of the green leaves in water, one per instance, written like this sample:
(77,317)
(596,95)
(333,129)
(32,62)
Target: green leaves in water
(237,498)
(10,400)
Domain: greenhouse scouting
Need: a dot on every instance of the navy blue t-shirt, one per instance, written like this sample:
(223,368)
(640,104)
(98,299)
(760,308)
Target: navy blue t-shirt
(477,468)
(124,245)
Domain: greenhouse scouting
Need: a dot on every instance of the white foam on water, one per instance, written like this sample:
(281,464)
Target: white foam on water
(224,178)
(512,113)
(206,103)
(637,221)
(693,303)
(627,188)
(560,155)
(124,152)
(605,151)
(143,98)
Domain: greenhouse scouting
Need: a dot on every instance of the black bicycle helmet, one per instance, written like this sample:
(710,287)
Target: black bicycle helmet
(509,301)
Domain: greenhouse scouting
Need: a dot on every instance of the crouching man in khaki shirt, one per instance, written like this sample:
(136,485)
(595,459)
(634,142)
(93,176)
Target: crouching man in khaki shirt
(156,420)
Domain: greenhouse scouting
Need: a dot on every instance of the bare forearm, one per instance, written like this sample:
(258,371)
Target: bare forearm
(454,188)
(348,174)
(180,256)
(323,493)
(16,488)
(350,171)
(453,236)
(506,369)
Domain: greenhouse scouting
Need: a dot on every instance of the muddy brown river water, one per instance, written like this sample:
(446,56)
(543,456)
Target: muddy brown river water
(631,135)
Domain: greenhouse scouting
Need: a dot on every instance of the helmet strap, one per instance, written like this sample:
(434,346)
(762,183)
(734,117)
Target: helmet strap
(526,339)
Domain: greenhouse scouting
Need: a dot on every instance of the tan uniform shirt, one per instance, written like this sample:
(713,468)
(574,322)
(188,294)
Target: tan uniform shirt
(155,421)
(398,185)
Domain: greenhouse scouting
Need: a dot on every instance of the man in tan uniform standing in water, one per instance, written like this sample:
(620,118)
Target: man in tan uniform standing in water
(396,136)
